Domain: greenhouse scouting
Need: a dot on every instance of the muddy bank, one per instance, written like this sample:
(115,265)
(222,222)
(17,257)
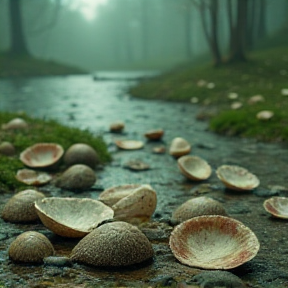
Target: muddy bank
(84,103)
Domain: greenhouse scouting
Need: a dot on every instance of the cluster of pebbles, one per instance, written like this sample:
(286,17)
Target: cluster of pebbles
(204,235)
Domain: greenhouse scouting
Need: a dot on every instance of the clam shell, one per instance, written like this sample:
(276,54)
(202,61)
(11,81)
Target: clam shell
(179,147)
(156,134)
(129,144)
(31,177)
(194,167)
(213,242)
(277,206)
(113,244)
(16,123)
(81,153)
(30,247)
(113,194)
(20,207)
(42,155)
(195,207)
(237,178)
(72,217)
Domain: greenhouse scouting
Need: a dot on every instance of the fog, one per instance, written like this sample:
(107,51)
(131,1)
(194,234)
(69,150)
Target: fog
(121,34)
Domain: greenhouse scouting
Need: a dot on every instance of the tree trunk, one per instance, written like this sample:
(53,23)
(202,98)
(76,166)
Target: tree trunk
(251,24)
(262,27)
(18,45)
(188,29)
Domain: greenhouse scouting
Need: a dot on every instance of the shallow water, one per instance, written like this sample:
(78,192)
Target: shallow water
(83,102)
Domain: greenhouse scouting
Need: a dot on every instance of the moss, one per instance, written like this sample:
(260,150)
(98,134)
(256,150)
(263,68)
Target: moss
(41,131)
(265,73)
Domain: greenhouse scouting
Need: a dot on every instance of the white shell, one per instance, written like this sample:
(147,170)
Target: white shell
(213,242)
(179,147)
(237,178)
(277,206)
(32,177)
(42,155)
(129,144)
(16,123)
(194,167)
(265,115)
(72,217)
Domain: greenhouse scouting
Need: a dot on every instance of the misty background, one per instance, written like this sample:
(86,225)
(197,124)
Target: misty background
(123,34)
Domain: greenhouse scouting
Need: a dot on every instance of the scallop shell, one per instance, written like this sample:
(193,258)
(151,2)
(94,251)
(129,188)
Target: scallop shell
(195,207)
(277,206)
(30,247)
(16,123)
(20,207)
(42,155)
(155,134)
(213,242)
(179,147)
(194,167)
(31,177)
(113,244)
(72,217)
(81,153)
(237,178)
(129,144)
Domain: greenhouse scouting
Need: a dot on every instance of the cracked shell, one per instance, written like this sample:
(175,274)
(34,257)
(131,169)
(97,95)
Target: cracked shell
(277,206)
(113,244)
(213,242)
(237,178)
(72,217)
(32,177)
(30,247)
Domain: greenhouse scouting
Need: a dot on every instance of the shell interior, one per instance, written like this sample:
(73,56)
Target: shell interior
(179,147)
(31,177)
(277,206)
(129,144)
(213,242)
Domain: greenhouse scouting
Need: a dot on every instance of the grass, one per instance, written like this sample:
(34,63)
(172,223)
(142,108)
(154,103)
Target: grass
(265,73)
(40,131)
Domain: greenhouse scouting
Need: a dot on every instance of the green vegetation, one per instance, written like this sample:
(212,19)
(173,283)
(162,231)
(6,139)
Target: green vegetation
(40,131)
(265,74)
(29,66)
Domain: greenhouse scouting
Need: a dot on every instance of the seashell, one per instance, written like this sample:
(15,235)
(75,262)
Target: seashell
(77,177)
(264,115)
(136,207)
(20,207)
(31,177)
(195,207)
(232,95)
(72,217)
(237,178)
(236,105)
(159,149)
(129,144)
(30,247)
(277,206)
(256,99)
(112,195)
(117,127)
(7,149)
(156,134)
(194,167)
(284,91)
(179,147)
(42,155)
(136,165)
(81,153)
(213,242)
(113,244)
(16,123)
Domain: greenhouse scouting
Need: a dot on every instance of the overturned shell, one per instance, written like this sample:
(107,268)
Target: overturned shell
(32,177)
(129,144)
(30,247)
(42,155)
(213,242)
(113,244)
(277,206)
(179,147)
(194,167)
(7,149)
(265,115)
(117,127)
(16,123)
(237,178)
(156,134)
(72,217)
(136,207)
(77,177)
(195,207)
(112,195)
(81,153)
(20,207)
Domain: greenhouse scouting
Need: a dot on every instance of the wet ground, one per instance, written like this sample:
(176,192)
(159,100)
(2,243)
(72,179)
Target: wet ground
(83,102)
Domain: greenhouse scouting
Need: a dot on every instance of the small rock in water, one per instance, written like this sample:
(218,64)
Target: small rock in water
(58,261)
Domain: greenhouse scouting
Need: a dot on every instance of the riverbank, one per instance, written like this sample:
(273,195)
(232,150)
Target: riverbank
(225,94)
